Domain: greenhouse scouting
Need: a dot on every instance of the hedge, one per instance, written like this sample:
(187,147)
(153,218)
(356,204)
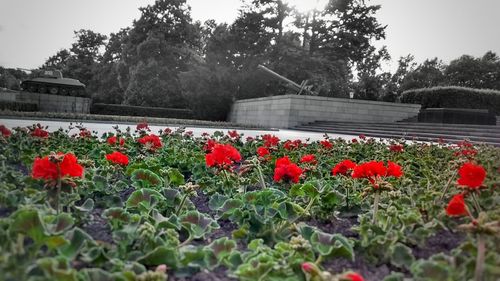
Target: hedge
(454,97)
(127,110)
(18,106)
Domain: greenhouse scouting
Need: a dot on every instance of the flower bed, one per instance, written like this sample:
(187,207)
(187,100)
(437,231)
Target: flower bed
(164,205)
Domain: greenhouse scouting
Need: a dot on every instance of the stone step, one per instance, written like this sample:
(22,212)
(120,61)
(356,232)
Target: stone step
(416,136)
(413,124)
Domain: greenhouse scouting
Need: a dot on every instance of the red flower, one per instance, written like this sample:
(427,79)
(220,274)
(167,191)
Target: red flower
(471,175)
(112,141)
(326,144)
(289,145)
(307,267)
(354,141)
(40,133)
(456,206)
(151,141)
(369,170)
(286,170)
(393,170)
(142,126)
(44,168)
(250,139)
(343,167)
(353,276)
(84,133)
(5,131)
(233,134)
(270,141)
(363,137)
(262,151)
(309,158)
(209,145)
(396,148)
(469,153)
(222,156)
(167,131)
(117,158)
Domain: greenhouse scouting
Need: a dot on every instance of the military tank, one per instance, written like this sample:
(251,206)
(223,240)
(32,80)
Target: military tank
(52,82)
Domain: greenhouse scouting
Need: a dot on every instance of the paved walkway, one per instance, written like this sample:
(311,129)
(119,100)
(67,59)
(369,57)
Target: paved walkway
(101,128)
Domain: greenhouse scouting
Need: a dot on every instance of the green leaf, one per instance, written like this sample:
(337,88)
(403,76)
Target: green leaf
(289,211)
(77,239)
(216,201)
(431,271)
(401,256)
(28,222)
(143,178)
(198,224)
(87,206)
(219,250)
(61,223)
(57,269)
(163,222)
(335,245)
(144,197)
(160,255)
(175,177)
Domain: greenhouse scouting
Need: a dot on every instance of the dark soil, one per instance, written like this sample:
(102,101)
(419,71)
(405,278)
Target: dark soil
(125,194)
(359,265)
(336,225)
(442,241)
(5,212)
(98,227)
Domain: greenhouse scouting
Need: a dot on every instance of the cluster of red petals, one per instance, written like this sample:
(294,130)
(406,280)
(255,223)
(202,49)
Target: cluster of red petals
(142,126)
(308,158)
(45,169)
(153,140)
(396,148)
(326,144)
(167,131)
(286,170)
(353,276)
(270,140)
(289,145)
(209,145)
(363,137)
(117,158)
(113,140)
(376,169)
(222,156)
(233,134)
(84,133)
(263,151)
(471,175)
(456,206)
(354,140)
(5,131)
(40,133)
(343,167)
(469,153)
(308,267)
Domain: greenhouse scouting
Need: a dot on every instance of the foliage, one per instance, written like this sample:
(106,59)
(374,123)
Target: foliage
(454,97)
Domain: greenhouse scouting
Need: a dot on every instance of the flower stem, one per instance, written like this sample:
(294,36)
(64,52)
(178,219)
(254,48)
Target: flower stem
(476,202)
(261,176)
(181,205)
(347,198)
(375,206)
(58,190)
(481,251)
(448,184)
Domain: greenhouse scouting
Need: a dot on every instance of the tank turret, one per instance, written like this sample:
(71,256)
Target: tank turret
(53,82)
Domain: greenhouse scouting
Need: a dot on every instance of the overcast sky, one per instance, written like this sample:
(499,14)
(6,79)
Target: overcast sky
(33,30)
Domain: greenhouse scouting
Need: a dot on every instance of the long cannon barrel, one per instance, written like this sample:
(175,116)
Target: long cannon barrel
(290,83)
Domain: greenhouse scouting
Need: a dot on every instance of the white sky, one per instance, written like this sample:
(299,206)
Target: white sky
(33,30)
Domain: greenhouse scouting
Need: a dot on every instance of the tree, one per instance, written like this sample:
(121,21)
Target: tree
(427,74)
(468,71)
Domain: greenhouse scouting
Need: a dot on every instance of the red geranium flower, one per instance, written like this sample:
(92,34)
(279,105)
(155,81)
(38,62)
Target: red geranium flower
(393,170)
(353,276)
(84,133)
(363,137)
(117,158)
(167,131)
(343,167)
(142,126)
(326,144)
(262,151)
(113,140)
(396,148)
(471,175)
(151,141)
(40,133)
(309,158)
(289,145)
(354,141)
(456,206)
(222,156)
(209,145)
(50,169)
(286,170)
(5,131)
(233,134)
(270,141)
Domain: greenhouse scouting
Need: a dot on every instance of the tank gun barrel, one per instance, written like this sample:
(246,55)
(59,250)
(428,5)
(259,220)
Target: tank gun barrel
(290,83)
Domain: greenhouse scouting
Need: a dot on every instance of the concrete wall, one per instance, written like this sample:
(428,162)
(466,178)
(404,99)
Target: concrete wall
(55,103)
(292,110)
(8,95)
